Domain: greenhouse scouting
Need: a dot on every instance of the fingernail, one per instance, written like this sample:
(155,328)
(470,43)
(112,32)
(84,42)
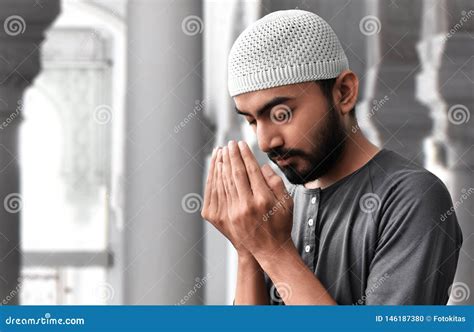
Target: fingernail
(224,150)
(214,152)
(241,144)
(232,145)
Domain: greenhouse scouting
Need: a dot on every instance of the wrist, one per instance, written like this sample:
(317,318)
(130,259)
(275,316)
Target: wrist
(274,254)
(246,259)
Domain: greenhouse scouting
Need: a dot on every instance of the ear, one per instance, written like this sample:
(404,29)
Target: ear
(346,90)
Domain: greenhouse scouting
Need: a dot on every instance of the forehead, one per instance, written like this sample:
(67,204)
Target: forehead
(253,100)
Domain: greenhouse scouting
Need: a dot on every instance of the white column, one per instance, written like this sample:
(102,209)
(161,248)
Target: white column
(165,144)
(456,85)
(22,29)
(403,123)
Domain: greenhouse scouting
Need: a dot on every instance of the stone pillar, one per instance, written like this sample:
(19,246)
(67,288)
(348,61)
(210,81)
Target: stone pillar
(163,229)
(23,24)
(402,122)
(224,22)
(430,50)
(456,85)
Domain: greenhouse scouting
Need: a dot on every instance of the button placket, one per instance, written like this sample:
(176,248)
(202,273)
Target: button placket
(310,232)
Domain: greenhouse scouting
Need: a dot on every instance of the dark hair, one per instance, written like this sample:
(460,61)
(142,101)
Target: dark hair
(326,87)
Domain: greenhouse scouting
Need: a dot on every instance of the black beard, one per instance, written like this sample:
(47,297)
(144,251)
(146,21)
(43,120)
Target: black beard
(330,142)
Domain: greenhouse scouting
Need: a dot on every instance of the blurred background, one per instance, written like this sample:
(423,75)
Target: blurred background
(110,108)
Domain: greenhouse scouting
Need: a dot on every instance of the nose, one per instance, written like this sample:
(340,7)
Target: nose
(269,137)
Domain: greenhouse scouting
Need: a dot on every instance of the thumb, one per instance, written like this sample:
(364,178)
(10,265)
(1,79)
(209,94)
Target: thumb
(277,186)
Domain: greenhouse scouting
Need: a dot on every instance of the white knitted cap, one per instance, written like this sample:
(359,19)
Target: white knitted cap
(284,47)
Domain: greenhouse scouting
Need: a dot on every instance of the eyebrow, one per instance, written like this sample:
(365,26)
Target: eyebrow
(275,101)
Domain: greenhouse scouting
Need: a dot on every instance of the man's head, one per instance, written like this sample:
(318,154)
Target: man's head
(289,77)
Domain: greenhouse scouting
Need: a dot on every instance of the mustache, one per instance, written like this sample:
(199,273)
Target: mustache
(276,154)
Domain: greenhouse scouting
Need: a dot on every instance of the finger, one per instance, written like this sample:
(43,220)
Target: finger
(220,186)
(257,181)
(226,188)
(210,173)
(227,174)
(213,202)
(239,172)
(276,184)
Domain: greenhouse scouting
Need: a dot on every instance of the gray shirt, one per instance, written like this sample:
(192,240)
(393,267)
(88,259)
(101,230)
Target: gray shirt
(380,235)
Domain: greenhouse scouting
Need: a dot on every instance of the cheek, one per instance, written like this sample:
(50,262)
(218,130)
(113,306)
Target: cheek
(300,131)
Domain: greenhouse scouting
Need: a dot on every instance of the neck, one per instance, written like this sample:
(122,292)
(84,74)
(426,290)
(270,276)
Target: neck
(357,152)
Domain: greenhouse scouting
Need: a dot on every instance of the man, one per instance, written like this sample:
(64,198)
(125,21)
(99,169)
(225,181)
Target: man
(359,224)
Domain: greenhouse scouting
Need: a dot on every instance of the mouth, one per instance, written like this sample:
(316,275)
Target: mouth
(283,161)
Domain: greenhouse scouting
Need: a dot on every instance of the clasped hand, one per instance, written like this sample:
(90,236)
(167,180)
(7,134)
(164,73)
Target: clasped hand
(247,203)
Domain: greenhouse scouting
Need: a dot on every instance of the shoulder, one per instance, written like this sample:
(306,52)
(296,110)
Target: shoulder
(395,176)
(411,197)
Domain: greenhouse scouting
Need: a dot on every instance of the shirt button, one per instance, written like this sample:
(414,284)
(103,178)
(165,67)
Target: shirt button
(313,200)
(307,248)
(310,222)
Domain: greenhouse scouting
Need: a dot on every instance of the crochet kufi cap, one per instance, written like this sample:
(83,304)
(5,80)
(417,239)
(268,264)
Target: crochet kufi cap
(284,47)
